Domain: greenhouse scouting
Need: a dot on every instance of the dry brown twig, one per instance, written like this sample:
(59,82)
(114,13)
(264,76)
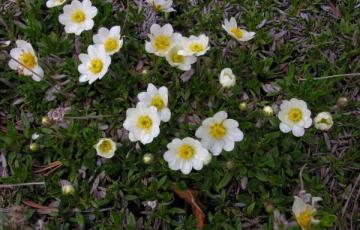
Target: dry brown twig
(49,168)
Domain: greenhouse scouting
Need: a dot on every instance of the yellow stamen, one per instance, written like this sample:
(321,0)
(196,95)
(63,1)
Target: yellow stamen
(157,8)
(295,115)
(177,58)
(186,152)
(237,32)
(105,146)
(324,121)
(145,122)
(217,130)
(304,218)
(161,42)
(158,102)
(196,47)
(111,44)
(96,65)
(28,59)
(78,16)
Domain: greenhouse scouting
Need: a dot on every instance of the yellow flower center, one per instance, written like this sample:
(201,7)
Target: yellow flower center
(144,122)
(196,47)
(158,102)
(158,8)
(111,44)
(304,219)
(217,130)
(60,1)
(176,58)
(324,121)
(295,115)
(78,16)
(186,152)
(161,42)
(237,32)
(105,146)
(28,59)
(96,65)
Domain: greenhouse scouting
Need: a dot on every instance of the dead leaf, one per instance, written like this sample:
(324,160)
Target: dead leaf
(336,12)
(187,75)
(271,87)
(190,197)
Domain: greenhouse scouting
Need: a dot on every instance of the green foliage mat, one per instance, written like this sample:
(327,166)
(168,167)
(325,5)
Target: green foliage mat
(241,189)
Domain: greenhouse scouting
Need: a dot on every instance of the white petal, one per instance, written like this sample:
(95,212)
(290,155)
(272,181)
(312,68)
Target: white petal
(165,115)
(228,144)
(186,168)
(298,131)
(220,116)
(284,127)
(216,148)
(236,134)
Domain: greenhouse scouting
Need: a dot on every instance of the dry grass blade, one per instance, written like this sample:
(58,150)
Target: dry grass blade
(40,208)
(49,168)
(21,184)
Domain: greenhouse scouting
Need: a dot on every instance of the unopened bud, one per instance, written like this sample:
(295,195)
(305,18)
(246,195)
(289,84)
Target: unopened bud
(342,102)
(66,187)
(34,147)
(268,111)
(148,158)
(230,164)
(243,106)
(46,121)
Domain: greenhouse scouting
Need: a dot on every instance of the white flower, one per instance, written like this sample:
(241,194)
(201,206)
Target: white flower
(194,46)
(232,28)
(218,133)
(94,64)
(53,3)
(179,61)
(110,39)
(227,78)
(78,16)
(142,123)
(294,116)
(161,39)
(161,5)
(304,213)
(186,154)
(105,148)
(323,121)
(24,60)
(157,98)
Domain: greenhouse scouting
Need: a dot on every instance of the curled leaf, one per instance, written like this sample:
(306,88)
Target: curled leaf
(190,197)
(271,87)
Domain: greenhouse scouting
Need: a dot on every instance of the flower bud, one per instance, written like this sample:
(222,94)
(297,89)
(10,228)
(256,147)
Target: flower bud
(145,72)
(269,207)
(227,78)
(342,102)
(230,165)
(46,121)
(66,187)
(323,121)
(148,158)
(243,106)
(268,111)
(34,147)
